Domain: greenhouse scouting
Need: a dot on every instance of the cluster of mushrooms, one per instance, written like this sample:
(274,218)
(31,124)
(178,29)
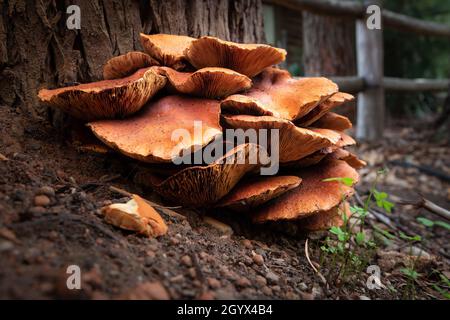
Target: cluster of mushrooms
(178,80)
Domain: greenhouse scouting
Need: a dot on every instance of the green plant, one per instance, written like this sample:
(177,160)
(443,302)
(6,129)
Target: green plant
(430,223)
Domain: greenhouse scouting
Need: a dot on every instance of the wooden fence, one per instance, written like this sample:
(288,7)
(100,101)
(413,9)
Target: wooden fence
(370,83)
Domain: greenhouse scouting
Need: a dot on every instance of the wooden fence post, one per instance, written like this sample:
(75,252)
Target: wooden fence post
(369,53)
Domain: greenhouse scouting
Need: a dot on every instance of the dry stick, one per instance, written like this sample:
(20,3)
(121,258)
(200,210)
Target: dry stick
(312,265)
(153,204)
(430,206)
(3,158)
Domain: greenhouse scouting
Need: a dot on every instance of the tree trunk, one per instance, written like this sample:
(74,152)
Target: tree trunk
(329,49)
(38,50)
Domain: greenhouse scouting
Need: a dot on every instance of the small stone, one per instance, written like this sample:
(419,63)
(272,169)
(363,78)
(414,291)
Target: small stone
(302,286)
(46,190)
(364,298)
(41,201)
(178,278)
(192,273)
(150,253)
(147,291)
(213,283)
(207,295)
(37,210)
(243,282)
(260,281)
(415,251)
(186,260)
(307,296)
(267,291)
(247,260)
(272,278)
(247,243)
(291,296)
(174,241)
(317,292)
(258,259)
(276,288)
(203,255)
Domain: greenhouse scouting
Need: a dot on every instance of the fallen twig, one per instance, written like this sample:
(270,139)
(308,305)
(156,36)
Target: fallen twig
(166,210)
(3,158)
(311,264)
(427,204)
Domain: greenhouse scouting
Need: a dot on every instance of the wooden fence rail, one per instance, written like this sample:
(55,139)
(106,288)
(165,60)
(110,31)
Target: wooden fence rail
(370,83)
(357,10)
(356,84)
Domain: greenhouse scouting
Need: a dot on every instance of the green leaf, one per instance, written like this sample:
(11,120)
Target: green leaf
(346,181)
(358,211)
(410,273)
(384,233)
(442,224)
(360,238)
(409,238)
(426,222)
(382,202)
(342,236)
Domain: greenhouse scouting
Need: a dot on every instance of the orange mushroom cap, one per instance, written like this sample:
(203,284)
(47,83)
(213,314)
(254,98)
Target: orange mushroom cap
(127,64)
(294,142)
(258,190)
(167,48)
(324,220)
(204,185)
(247,59)
(276,93)
(207,82)
(333,121)
(313,195)
(147,136)
(106,99)
(334,101)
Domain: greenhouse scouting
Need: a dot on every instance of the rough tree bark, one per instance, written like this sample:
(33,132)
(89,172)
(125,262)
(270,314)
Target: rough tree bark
(37,50)
(329,49)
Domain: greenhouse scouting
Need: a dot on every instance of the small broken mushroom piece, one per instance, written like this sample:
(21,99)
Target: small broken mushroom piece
(294,143)
(313,195)
(106,99)
(334,101)
(348,157)
(199,186)
(333,121)
(255,191)
(247,59)
(127,64)
(276,93)
(324,220)
(207,82)
(167,49)
(135,215)
(148,135)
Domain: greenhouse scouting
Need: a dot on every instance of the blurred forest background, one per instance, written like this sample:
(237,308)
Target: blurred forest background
(407,55)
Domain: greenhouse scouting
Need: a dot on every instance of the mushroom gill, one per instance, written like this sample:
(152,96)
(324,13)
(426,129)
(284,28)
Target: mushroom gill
(127,64)
(247,59)
(106,99)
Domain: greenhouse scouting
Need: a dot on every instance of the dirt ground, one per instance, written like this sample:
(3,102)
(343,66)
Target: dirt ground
(39,239)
